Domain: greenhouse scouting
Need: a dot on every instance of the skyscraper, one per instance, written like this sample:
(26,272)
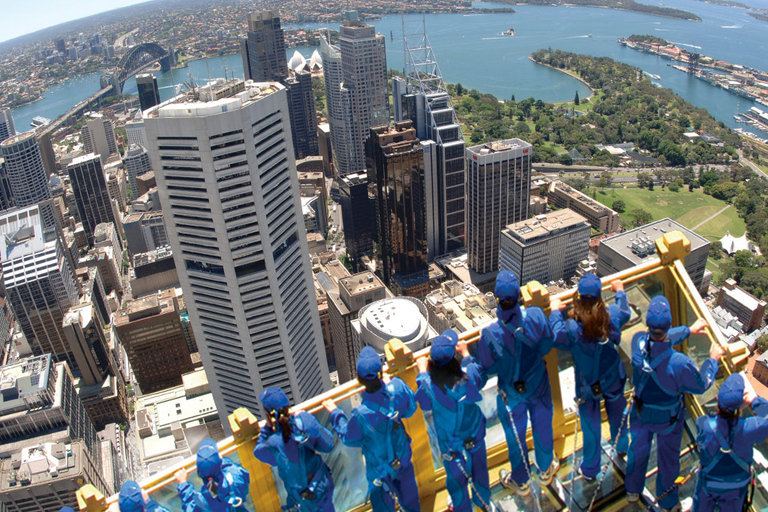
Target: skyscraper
(149,94)
(498,193)
(263,53)
(264,48)
(26,174)
(7,130)
(89,186)
(358,210)
(334,100)
(98,136)
(238,240)
(397,160)
(364,75)
(423,98)
(39,281)
(136,162)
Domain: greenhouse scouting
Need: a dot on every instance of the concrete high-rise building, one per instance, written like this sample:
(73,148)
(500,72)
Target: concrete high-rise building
(357,198)
(89,187)
(599,216)
(40,282)
(26,174)
(149,94)
(98,136)
(498,194)
(397,160)
(344,303)
(545,248)
(144,232)
(43,421)
(356,91)
(638,246)
(422,97)
(135,132)
(263,53)
(364,74)
(150,330)
(404,318)
(136,162)
(7,130)
(264,48)
(238,240)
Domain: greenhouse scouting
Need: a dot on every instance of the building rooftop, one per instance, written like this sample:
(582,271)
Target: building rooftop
(85,158)
(498,146)
(40,463)
(638,245)
(220,96)
(745,299)
(22,232)
(545,225)
(596,206)
(360,283)
(20,383)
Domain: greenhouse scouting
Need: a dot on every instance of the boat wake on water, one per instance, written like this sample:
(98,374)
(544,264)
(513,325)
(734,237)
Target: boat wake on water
(688,45)
(732,26)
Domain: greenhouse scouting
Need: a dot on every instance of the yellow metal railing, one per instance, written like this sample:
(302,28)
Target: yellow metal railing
(668,270)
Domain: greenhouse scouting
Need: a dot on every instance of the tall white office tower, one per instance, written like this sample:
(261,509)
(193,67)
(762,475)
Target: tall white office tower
(357,97)
(26,174)
(423,98)
(7,129)
(498,193)
(226,176)
(334,101)
(98,136)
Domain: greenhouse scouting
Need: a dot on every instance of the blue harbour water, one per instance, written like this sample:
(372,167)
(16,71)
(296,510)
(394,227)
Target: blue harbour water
(471,50)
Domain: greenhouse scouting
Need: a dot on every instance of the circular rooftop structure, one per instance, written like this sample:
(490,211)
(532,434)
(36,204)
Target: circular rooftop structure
(403,318)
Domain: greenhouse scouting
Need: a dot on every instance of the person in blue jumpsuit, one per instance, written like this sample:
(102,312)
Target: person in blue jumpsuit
(513,348)
(725,447)
(661,375)
(225,484)
(290,443)
(133,498)
(592,337)
(67,509)
(376,425)
(451,389)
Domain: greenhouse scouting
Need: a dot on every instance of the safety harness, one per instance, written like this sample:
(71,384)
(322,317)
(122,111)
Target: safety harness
(717,482)
(286,466)
(649,380)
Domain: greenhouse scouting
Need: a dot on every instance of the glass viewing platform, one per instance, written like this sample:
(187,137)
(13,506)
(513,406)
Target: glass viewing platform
(665,275)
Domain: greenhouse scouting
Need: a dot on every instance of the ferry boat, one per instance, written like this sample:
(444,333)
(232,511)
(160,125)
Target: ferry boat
(510,32)
(39,121)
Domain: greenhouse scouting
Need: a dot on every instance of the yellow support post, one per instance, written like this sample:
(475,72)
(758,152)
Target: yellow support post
(400,360)
(245,431)
(535,294)
(90,499)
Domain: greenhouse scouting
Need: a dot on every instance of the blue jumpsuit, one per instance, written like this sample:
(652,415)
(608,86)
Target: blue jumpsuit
(596,362)
(376,426)
(306,477)
(723,478)
(513,348)
(131,500)
(660,379)
(460,427)
(232,480)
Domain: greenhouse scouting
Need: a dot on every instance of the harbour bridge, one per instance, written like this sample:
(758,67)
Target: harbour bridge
(137,58)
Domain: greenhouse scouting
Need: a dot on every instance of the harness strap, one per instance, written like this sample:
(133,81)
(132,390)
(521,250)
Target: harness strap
(726,449)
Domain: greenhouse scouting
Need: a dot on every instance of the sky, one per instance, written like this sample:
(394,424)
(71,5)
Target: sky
(24,16)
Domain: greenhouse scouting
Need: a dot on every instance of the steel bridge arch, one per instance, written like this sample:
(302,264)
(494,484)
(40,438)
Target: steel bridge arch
(138,57)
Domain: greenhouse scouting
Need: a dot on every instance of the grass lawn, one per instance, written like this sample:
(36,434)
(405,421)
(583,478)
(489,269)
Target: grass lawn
(688,208)
(712,267)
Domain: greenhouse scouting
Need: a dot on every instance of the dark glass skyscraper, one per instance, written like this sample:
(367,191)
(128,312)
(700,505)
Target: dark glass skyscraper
(263,53)
(149,95)
(396,157)
(90,190)
(358,216)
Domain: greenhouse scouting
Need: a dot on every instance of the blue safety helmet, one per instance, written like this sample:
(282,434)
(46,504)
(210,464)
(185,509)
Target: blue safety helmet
(731,394)
(659,315)
(273,399)
(208,459)
(130,499)
(443,348)
(590,287)
(507,287)
(368,364)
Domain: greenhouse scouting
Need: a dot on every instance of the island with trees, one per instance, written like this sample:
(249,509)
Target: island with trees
(623,5)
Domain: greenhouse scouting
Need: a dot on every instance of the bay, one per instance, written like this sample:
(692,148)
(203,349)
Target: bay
(471,50)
